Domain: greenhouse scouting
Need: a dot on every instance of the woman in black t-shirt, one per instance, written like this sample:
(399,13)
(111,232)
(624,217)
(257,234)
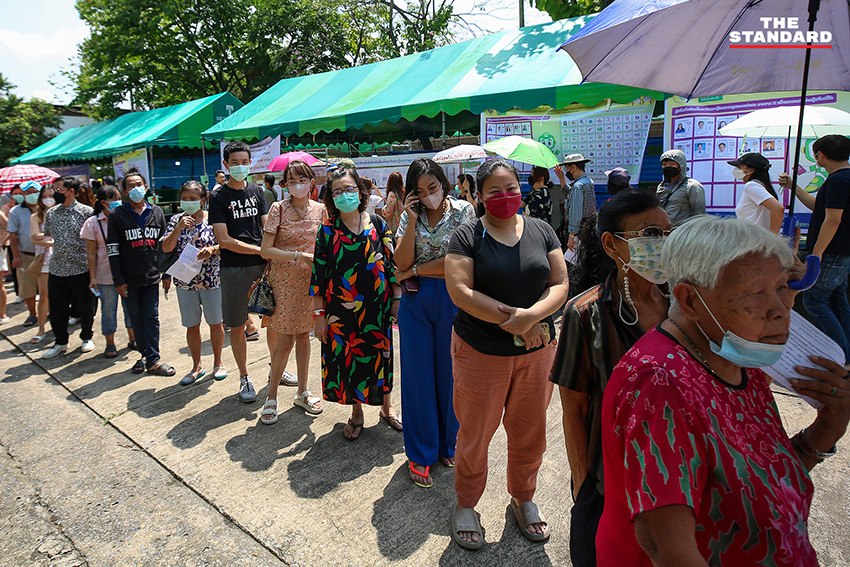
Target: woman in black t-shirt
(507,276)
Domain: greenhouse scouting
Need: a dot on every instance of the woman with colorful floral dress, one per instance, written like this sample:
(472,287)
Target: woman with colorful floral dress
(355,299)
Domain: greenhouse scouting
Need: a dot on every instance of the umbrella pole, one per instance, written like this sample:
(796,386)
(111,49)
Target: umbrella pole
(204,159)
(443,113)
(814,6)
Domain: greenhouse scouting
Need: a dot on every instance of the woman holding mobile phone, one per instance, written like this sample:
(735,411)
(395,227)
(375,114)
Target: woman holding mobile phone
(425,317)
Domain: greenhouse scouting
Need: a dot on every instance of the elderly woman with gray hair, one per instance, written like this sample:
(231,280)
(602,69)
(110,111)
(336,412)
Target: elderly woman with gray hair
(698,467)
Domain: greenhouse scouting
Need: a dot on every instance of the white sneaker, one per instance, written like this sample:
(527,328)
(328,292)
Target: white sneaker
(4,320)
(88,346)
(73,321)
(54,350)
(18,300)
(288,379)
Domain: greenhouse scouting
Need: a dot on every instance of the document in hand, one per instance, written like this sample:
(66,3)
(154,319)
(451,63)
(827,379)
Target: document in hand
(804,339)
(187,265)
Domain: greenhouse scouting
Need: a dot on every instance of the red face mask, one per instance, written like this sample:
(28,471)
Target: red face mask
(504,205)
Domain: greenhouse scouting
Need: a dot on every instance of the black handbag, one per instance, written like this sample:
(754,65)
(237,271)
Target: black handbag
(261,297)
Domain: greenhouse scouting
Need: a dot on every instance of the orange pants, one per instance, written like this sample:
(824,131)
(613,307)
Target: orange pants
(487,387)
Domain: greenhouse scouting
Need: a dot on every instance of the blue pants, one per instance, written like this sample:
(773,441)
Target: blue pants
(109,310)
(425,330)
(143,305)
(826,302)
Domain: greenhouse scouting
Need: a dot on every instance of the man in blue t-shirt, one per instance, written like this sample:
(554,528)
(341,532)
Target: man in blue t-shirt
(829,239)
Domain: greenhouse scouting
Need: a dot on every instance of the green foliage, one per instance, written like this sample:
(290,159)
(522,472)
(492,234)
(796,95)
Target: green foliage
(155,53)
(23,124)
(562,9)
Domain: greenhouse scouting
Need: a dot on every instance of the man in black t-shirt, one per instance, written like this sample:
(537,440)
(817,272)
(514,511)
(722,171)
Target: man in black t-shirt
(829,239)
(237,213)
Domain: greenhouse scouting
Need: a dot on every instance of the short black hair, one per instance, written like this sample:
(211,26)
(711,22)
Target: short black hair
(269,178)
(219,172)
(834,146)
(108,180)
(132,172)
(193,185)
(70,182)
(234,146)
(490,166)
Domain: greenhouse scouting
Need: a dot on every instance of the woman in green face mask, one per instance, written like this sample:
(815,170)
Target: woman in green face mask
(203,291)
(355,297)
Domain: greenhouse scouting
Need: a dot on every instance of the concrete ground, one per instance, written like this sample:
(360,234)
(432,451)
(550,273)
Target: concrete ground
(101,467)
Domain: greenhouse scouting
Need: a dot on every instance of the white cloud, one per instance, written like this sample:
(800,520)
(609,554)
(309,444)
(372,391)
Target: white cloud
(34,47)
(43,94)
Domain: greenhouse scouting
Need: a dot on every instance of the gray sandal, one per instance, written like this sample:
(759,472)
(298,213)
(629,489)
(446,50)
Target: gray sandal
(467,520)
(527,514)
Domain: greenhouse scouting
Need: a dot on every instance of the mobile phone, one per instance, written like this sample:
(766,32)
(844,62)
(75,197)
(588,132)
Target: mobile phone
(95,292)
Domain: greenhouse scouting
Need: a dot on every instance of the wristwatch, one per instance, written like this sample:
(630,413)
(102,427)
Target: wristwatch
(415,273)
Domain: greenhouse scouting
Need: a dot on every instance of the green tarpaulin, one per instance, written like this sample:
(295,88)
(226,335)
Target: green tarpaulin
(514,68)
(173,126)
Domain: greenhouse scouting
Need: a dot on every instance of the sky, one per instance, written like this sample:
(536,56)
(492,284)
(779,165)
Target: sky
(40,41)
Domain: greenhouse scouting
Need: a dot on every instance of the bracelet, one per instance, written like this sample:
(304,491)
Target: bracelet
(396,298)
(801,443)
(415,273)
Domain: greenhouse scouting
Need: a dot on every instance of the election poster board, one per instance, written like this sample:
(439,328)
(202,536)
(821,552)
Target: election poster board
(693,127)
(136,158)
(611,135)
(262,153)
(379,168)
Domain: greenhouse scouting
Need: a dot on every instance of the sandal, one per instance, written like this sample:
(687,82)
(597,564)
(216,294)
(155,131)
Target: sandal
(467,520)
(30,321)
(269,408)
(162,370)
(110,352)
(219,373)
(37,339)
(418,478)
(191,377)
(309,402)
(527,514)
(448,461)
(255,336)
(392,420)
(139,367)
(357,428)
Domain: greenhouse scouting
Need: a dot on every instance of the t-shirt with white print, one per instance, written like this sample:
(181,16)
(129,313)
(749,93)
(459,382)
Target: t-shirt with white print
(241,210)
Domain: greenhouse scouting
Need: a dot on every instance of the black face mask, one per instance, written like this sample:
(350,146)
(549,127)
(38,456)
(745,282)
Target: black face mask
(58,197)
(670,172)
(570,175)
(531,181)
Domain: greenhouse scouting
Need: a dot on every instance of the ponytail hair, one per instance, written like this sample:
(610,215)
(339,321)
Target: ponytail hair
(104,193)
(762,176)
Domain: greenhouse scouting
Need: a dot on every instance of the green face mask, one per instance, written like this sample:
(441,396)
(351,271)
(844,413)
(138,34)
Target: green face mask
(239,172)
(347,202)
(18,198)
(32,198)
(190,207)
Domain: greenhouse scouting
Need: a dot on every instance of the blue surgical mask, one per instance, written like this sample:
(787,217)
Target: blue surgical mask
(31,199)
(239,172)
(114,204)
(137,194)
(347,202)
(18,198)
(740,351)
(190,207)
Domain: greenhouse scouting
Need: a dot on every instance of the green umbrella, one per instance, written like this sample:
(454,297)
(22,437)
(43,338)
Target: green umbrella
(525,150)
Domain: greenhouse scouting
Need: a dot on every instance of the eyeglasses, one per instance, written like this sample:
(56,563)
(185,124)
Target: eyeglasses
(350,189)
(654,232)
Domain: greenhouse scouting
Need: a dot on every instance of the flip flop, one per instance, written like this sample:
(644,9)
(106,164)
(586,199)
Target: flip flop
(448,461)
(393,421)
(255,336)
(37,339)
(467,520)
(162,370)
(418,478)
(527,514)
(358,428)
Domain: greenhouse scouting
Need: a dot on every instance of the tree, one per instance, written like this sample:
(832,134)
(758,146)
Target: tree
(154,53)
(561,9)
(23,124)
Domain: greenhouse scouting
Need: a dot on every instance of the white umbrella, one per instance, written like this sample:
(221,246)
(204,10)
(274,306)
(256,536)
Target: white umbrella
(778,122)
(462,153)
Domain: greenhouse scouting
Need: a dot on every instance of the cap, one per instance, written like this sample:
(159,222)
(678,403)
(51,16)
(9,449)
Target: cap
(27,185)
(752,159)
(576,158)
(619,176)
(344,162)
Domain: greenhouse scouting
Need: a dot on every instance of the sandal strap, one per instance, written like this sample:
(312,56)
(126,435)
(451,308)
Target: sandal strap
(416,472)
(466,520)
(270,403)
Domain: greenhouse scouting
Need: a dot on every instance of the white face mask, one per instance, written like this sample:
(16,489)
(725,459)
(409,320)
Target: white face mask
(739,174)
(48,201)
(299,190)
(433,201)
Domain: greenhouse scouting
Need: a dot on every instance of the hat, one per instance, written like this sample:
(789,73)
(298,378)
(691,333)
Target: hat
(344,162)
(575,158)
(752,159)
(27,185)
(619,176)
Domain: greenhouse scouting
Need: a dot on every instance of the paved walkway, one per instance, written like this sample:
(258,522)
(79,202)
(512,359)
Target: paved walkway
(100,466)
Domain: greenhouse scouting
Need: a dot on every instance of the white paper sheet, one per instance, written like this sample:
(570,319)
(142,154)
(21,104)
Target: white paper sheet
(804,339)
(187,265)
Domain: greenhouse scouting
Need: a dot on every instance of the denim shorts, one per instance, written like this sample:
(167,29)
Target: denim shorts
(191,303)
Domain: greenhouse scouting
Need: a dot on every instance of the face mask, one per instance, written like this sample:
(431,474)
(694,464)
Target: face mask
(738,174)
(504,205)
(570,175)
(347,202)
(670,172)
(137,194)
(31,199)
(740,351)
(48,201)
(190,207)
(114,204)
(645,258)
(18,198)
(239,172)
(300,190)
(432,201)
(59,197)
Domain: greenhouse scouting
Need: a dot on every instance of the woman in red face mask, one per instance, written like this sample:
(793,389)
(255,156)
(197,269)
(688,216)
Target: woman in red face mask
(507,275)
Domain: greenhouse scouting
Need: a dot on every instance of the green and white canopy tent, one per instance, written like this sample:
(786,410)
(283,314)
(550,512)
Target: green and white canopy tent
(178,126)
(440,90)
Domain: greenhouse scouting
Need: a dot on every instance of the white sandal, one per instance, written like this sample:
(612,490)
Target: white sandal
(308,402)
(269,408)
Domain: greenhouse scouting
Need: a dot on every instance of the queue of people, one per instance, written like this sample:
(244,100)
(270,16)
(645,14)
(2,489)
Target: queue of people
(676,448)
